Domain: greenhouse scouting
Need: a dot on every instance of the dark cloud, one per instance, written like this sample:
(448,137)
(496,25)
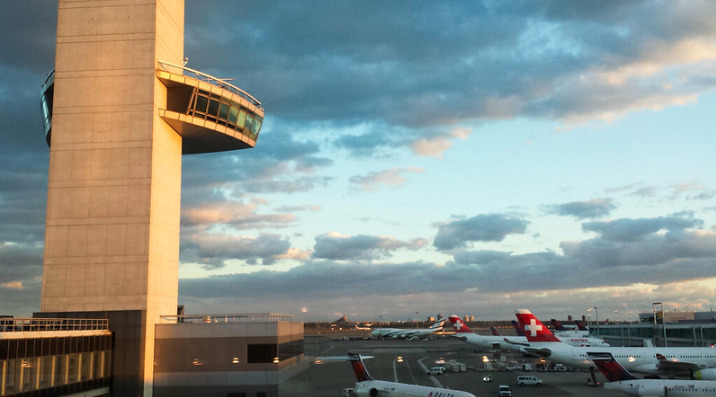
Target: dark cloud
(595,208)
(417,65)
(361,247)
(484,271)
(280,163)
(486,228)
(626,230)
(213,250)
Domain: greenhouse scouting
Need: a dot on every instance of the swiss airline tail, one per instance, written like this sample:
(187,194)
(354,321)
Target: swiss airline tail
(458,325)
(535,331)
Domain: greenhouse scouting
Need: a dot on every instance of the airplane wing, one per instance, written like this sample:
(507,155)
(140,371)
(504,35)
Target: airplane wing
(675,366)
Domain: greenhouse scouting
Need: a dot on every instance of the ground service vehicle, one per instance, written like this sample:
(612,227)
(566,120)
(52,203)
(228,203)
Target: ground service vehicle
(529,380)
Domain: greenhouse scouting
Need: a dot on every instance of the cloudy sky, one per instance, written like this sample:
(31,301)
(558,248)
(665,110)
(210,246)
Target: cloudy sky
(421,157)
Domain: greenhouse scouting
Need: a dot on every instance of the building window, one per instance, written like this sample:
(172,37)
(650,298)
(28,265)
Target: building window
(261,354)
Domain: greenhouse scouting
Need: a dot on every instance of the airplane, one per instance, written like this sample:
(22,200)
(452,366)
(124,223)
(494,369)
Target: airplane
(646,360)
(407,332)
(464,332)
(621,380)
(366,386)
(518,329)
(704,374)
(576,330)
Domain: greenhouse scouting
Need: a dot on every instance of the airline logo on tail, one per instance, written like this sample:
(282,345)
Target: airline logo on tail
(611,369)
(535,331)
(458,325)
(361,372)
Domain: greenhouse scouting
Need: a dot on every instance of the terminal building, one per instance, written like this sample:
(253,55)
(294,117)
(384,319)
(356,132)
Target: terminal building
(119,111)
(662,329)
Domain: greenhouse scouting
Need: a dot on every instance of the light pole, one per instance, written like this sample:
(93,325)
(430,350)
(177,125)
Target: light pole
(596,313)
(663,320)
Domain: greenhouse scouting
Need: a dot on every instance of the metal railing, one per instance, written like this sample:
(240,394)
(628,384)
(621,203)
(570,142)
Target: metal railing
(227,318)
(221,83)
(52,324)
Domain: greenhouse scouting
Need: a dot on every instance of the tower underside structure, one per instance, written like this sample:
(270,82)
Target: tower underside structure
(119,113)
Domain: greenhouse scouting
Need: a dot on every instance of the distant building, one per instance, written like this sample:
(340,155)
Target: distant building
(679,329)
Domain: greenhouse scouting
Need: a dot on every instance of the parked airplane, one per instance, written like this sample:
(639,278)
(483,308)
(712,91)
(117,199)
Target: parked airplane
(464,332)
(565,330)
(518,329)
(646,360)
(620,379)
(407,332)
(366,386)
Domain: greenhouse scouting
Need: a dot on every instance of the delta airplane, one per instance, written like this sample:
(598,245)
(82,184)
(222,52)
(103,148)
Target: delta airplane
(576,331)
(406,332)
(464,332)
(366,386)
(621,380)
(646,360)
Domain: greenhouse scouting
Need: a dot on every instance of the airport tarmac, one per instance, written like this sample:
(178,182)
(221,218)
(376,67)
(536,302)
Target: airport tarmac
(329,380)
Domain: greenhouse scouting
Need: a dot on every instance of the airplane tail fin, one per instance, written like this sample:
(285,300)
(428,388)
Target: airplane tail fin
(557,325)
(459,326)
(518,329)
(611,369)
(581,326)
(535,331)
(494,331)
(359,367)
(439,325)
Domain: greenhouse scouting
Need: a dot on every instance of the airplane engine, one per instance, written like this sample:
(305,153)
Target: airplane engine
(544,352)
(704,374)
(372,392)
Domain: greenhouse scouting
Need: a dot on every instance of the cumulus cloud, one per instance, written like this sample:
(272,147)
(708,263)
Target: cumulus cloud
(212,250)
(361,247)
(236,214)
(625,230)
(595,208)
(436,146)
(488,227)
(391,178)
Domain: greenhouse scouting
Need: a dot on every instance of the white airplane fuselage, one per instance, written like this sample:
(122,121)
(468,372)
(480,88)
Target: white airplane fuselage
(664,387)
(371,388)
(635,359)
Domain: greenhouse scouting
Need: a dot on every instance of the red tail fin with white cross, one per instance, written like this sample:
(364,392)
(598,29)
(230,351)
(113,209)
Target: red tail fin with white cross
(535,331)
(459,326)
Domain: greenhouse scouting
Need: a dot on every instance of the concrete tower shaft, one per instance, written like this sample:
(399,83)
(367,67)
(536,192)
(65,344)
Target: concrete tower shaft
(119,115)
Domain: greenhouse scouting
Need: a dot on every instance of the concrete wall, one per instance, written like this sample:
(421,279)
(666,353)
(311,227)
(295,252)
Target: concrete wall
(114,192)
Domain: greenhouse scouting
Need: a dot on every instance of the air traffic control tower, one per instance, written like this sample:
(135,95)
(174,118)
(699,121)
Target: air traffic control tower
(120,110)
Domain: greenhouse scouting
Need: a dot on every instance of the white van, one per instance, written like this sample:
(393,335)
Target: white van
(529,380)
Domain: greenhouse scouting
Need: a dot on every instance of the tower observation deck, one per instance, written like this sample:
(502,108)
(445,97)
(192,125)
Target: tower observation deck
(209,113)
